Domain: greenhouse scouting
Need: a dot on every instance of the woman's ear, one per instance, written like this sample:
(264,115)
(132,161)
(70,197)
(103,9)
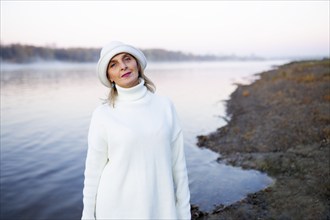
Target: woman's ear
(109,78)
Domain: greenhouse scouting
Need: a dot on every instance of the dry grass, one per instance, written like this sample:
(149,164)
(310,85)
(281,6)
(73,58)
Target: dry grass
(280,124)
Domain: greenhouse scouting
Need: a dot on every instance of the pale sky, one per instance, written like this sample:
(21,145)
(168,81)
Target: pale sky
(262,28)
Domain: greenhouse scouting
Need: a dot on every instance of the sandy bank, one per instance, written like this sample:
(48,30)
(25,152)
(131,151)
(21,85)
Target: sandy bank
(280,125)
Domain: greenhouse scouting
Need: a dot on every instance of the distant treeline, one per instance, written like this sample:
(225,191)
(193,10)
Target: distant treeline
(17,53)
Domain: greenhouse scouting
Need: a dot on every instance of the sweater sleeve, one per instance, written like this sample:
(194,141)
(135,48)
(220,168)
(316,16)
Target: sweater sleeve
(179,169)
(97,157)
(180,178)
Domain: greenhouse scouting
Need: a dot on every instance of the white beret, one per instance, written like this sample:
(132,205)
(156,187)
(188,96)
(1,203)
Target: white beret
(112,49)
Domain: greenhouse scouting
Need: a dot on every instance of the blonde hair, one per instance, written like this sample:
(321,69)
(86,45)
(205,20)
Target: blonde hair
(147,82)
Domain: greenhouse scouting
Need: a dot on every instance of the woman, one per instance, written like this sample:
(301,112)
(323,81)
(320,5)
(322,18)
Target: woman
(135,165)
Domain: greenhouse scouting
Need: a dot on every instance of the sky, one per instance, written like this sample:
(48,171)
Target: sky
(262,28)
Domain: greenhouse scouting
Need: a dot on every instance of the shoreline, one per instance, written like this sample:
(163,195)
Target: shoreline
(280,125)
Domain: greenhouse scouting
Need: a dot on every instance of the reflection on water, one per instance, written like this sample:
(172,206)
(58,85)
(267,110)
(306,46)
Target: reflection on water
(45,112)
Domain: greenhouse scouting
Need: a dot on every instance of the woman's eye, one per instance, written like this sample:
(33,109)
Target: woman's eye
(128,58)
(112,65)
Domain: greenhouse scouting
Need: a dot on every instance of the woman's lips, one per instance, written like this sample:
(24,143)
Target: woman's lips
(126,75)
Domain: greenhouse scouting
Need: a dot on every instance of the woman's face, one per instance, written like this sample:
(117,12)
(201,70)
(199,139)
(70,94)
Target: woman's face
(123,70)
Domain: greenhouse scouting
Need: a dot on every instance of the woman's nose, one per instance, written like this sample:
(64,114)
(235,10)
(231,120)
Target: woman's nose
(123,65)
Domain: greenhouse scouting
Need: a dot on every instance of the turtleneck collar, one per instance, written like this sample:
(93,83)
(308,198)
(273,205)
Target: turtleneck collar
(132,94)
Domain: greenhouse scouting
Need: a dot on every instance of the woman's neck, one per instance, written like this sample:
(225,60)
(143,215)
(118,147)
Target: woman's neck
(132,94)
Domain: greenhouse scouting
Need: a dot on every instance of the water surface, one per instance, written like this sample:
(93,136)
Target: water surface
(45,113)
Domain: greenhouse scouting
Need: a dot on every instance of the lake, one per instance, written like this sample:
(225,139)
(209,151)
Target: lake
(45,113)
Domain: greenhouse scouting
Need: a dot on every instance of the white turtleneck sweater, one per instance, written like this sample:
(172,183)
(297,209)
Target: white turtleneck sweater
(135,165)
